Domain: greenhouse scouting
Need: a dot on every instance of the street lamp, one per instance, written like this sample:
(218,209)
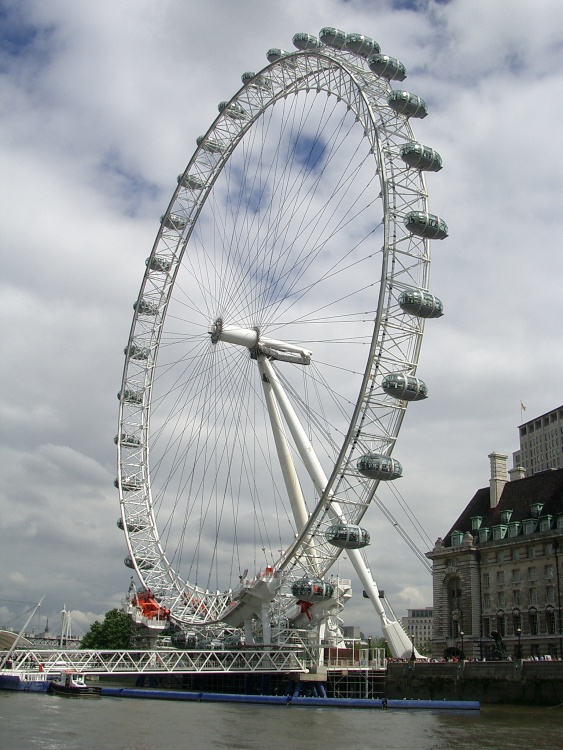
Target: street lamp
(519,649)
(462,634)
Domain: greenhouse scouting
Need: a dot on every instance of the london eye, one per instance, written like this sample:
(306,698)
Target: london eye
(274,346)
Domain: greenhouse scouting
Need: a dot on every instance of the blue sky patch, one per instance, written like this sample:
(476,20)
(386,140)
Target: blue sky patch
(309,152)
(18,37)
(130,188)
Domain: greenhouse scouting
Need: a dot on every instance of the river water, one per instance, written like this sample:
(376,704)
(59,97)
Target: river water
(43,722)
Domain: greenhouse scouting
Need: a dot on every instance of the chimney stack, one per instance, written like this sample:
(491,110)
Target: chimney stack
(499,476)
(518,472)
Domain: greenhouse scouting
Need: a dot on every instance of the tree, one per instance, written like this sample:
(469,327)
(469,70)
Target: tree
(113,632)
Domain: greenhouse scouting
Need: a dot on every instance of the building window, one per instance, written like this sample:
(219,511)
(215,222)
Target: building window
(548,549)
(531,552)
(550,594)
(500,577)
(486,627)
(476,522)
(501,602)
(533,596)
(533,621)
(550,620)
(516,620)
(532,575)
(501,624)
(486,601)
(486,579)
(516,554)
(516,598)
(548,571)
(516,576)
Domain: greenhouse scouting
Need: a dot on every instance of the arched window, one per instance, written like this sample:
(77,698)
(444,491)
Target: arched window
(501,623)
(550,619)
(533,620)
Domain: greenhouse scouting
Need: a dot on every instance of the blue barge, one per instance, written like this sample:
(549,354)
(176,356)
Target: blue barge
(288,700)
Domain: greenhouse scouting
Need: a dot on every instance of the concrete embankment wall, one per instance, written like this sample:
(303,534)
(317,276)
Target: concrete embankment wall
(517,682)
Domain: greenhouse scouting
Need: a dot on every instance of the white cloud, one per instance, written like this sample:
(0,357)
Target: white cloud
(101,107)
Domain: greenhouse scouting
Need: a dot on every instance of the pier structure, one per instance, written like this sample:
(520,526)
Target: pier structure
(171,661)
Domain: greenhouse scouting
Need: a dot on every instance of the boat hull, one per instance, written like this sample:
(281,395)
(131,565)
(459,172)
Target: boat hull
(24,683)
(74,691)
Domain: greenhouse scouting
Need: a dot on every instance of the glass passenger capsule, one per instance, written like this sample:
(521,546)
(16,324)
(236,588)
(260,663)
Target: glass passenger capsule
(210,145)
(173,221)
(258,81)
(129,441)
(361,45)
(312,590)
(191,181)
(332,37)
(142,563)
(275,54)
(306,41)
(132,528)
(387,67)
(347,536)
(144,307)
(132,397)
(134,351)
(421,303)
(158,263)
(421,157)
(377,466)
(404,387)
(426,225)
(234,110)
(128,484)
(409,105)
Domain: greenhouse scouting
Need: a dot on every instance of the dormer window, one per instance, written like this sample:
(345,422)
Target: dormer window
(476,522)
(484,534)
(505,516)
(530,525)
(499,531)
(545,523)
(536,509)
(457,538)
(514,528)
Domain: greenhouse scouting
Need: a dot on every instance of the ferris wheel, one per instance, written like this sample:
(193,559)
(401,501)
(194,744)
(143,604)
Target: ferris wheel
(275,342)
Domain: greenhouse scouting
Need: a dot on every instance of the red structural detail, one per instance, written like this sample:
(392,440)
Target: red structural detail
(149,606)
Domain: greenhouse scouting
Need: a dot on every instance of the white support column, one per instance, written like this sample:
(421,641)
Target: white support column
(248,635)
(290,477)
(397,638)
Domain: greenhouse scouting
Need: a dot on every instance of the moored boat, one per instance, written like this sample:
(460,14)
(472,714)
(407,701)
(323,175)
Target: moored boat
(71,684)
(30,681)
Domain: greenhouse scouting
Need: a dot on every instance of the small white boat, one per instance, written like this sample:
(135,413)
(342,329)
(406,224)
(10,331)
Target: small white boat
(72,684)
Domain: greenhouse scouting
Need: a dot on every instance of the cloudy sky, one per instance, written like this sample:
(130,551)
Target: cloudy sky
(100,108)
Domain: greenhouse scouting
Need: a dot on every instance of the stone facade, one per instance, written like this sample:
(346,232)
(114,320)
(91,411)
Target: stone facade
(500,570)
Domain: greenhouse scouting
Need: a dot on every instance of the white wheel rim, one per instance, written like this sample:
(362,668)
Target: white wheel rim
(202,275)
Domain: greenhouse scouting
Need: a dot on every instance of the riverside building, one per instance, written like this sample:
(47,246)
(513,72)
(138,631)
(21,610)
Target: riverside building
(541,443)
(499,569)
(418,627)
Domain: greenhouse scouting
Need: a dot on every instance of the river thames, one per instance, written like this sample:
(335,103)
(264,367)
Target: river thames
(45,722)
